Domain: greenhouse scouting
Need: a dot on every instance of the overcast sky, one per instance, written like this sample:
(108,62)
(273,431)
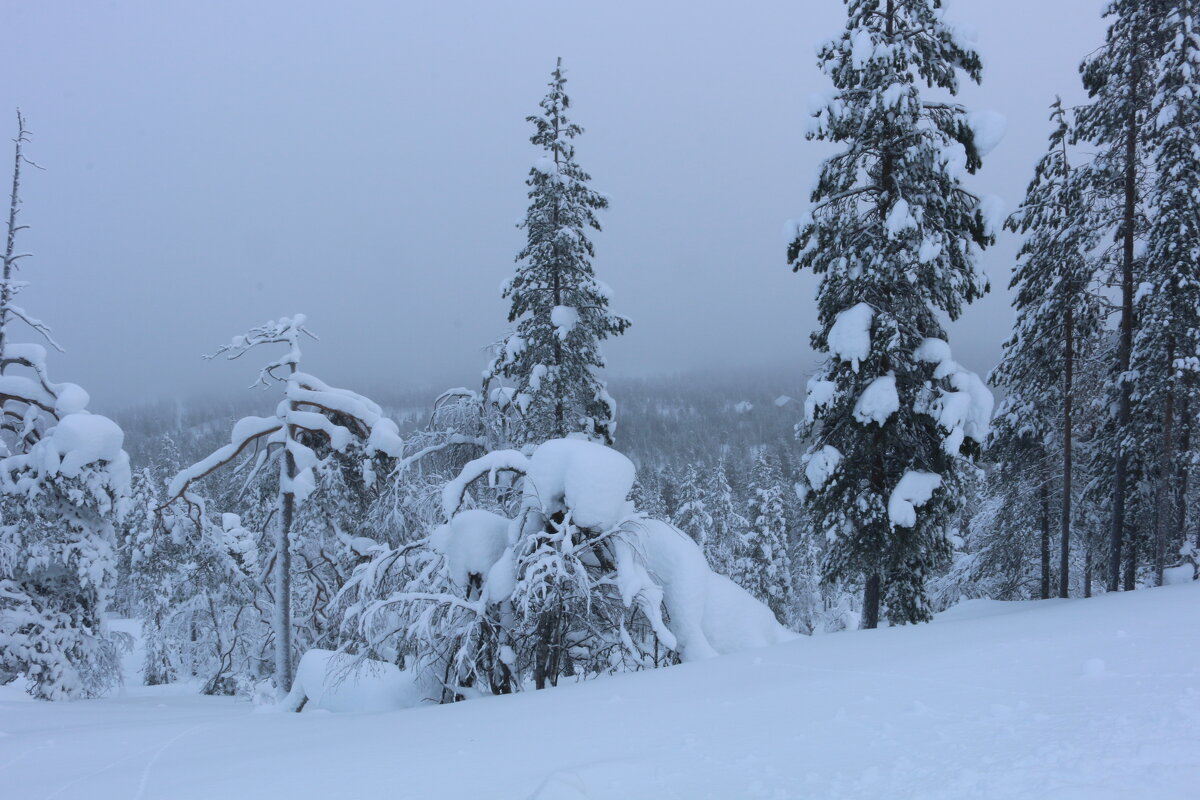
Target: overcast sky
(210,165)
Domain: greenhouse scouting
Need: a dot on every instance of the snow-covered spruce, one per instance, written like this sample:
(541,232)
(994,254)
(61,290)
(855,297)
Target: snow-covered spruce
(64,481)
(895,237)
(560,308)
(564,580)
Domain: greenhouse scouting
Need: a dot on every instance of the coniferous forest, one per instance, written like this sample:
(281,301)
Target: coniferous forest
(301,546)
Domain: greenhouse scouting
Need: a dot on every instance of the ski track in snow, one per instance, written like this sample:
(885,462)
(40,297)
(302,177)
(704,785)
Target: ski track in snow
(1053,700)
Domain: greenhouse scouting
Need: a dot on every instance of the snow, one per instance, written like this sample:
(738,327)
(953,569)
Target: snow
(878,401)
(77,441)
(966,411)
(340,682)
(821,465)
(564,319)
(820,393)
(709,614)
(472,542)
(1184,573)
(991,208)
(914,490)
(70,398)
(850,334)
(743,407)
(490,465)
(899,219)
(782,400)
(591,480)
(990,707)
(989,128)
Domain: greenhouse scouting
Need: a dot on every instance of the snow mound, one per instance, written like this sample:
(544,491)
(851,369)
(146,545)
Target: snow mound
(709,614)
(341,682)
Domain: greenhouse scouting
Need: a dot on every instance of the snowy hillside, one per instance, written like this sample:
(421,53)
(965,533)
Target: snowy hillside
(1060,699)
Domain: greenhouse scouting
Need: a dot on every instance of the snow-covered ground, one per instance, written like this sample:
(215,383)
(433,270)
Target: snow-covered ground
(1063,700)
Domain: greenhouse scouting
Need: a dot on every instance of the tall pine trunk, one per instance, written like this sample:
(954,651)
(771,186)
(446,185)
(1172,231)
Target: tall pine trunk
(1125,351)
(1164,517)
(870,618)
(1064,550)
(1044,497)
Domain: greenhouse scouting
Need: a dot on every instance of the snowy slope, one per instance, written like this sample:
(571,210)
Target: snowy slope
(1064,700)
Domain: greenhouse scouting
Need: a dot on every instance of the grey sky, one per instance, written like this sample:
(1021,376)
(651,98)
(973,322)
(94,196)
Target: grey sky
(212,165)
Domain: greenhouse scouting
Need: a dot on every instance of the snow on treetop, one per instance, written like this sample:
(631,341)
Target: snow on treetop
(77,441)
(850,335)
(989,128)
(588,479)
(490,464)
(914,490)
(472,543)
(71,399)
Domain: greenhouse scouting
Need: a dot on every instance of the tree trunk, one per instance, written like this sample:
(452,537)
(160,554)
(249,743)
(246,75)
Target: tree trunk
(283,586)
(870,612)
(1124,351)
(1179,515)
(6,288)
(1087,565)
(1044,497)
(1064,549)
(1164,516)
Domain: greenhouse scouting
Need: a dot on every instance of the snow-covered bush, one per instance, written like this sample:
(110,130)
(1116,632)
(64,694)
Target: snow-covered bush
(565,579)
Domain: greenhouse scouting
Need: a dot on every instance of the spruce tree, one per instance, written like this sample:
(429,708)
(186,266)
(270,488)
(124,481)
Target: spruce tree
(559,307)
(727,525)
(895,237)
(1058,318)
(692,515)
(764,565)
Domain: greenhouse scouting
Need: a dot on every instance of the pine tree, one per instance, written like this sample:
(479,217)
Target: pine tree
(1119,78)
(764,565)
(559,307)
(1058,318)
(1166,346)
(895,237)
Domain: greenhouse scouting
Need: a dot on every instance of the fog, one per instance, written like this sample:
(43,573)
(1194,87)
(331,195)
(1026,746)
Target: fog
(212,165)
